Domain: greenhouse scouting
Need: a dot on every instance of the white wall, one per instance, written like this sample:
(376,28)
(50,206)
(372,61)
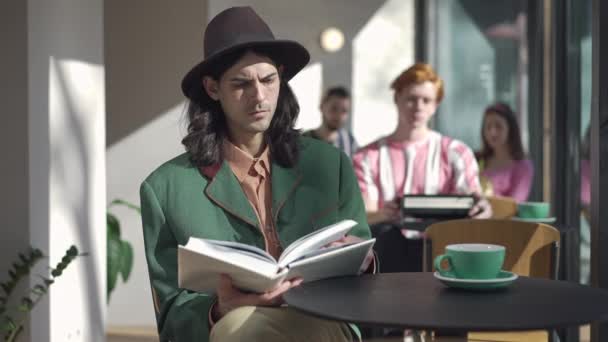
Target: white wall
(129,163)
(149,46)
(377,62)
(67,160)
(14,169)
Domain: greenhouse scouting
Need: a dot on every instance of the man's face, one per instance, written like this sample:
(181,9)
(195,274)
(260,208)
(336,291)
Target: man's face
(416,104)
(248,92)
(335,112)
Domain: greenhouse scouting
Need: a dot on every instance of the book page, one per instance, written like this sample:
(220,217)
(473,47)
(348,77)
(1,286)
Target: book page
(247,258)
(200,263)
(337,262)
(198,272)
(315,240)
(249,249)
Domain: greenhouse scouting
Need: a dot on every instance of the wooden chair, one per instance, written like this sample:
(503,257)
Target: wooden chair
(532,249)
(502,207)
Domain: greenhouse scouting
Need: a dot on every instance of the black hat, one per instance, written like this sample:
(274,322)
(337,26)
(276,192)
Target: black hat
(237,28)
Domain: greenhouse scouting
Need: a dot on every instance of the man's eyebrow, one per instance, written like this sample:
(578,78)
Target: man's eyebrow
(243,78)
(240,79)
(274,73)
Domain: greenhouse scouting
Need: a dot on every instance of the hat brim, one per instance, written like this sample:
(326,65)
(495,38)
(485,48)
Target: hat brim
(289,54)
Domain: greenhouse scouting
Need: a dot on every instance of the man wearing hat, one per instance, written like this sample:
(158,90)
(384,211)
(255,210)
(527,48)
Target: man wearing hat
(246,176)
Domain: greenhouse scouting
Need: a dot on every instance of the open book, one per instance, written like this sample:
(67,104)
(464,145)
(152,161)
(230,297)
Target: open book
(201,261)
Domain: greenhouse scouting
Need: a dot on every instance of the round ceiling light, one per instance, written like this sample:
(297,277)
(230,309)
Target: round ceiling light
(332,39)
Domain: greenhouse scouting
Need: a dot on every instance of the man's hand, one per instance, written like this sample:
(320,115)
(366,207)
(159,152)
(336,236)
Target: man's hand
(481,209)
(389,213)
(229,297)
(348,239)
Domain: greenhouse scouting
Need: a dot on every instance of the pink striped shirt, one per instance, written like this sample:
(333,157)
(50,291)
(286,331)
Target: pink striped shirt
(513,181)
(436,165)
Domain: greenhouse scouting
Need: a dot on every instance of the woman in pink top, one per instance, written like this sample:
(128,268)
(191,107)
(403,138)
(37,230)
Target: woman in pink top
(502,159)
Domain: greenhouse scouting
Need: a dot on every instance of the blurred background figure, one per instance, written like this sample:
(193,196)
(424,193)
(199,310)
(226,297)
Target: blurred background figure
(414,159)
(504,169)
(335,110)
(585,232)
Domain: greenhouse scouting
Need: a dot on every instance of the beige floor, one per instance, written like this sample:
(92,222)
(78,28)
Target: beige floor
(148,334)
(131,334)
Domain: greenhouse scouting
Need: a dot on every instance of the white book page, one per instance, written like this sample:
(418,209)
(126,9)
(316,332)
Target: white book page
(200,272)
(245,258)
(315,240)
(243,247)
(336,262)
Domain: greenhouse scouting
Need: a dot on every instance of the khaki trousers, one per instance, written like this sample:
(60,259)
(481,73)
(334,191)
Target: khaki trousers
(269,324)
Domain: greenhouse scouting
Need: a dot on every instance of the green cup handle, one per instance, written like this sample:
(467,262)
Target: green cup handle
(444,272)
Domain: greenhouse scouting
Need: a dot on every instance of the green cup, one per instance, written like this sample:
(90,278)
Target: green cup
(471,261)
(533,210)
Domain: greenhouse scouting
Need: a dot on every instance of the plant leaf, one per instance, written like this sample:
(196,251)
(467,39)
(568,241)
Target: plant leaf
(23,258)
(113,227)
(114,251)
(6,288)
(10,324)
(72,251)
(39,290)
(126,260)
(126,204)
(38,253)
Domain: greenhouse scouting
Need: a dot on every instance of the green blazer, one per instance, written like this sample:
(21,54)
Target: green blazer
(178,201)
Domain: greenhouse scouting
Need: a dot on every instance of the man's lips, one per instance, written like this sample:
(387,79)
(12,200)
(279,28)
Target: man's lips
(257,112)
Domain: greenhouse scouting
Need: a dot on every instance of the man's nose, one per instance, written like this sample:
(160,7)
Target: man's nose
(257,91)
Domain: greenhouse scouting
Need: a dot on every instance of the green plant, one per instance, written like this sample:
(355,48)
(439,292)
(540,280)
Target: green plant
(119,252)
(11,326)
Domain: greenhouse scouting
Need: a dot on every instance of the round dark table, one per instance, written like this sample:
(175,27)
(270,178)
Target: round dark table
(419,301)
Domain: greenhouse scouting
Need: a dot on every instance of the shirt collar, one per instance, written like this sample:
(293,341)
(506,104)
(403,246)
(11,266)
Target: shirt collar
(243,164)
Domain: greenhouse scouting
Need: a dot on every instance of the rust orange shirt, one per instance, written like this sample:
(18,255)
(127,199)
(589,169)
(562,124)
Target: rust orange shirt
(253,174)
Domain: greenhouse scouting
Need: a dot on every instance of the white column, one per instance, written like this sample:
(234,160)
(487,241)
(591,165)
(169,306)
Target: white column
(66,100)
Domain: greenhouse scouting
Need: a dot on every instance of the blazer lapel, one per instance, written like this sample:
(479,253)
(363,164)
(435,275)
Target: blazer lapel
(284,182)
(225,191)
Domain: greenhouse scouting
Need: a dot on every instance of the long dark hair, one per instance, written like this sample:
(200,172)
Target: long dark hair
(207,127)
(513,139)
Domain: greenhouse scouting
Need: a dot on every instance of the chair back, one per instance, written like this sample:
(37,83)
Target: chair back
(532,249)
(502,207)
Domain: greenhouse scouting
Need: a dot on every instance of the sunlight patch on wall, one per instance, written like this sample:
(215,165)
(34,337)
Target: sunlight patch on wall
(129,161)
(77,193)
(307,85)
(381,50)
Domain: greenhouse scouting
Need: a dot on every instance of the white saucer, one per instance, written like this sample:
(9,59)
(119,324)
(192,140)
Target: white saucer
(504,279)
(540,220)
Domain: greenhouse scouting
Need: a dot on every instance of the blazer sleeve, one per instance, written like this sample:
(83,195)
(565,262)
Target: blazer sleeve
(181,315)
(350,201)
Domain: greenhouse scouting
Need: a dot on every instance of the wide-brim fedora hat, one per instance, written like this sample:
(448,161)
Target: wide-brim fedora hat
(239,28)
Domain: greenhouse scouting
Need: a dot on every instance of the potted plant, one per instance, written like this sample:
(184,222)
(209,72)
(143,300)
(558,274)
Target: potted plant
(13,319)
(119,251)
